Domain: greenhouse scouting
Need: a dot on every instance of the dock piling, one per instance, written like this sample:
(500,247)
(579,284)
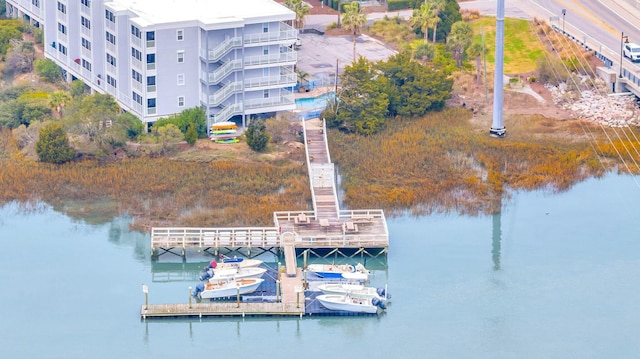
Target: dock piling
(190,298)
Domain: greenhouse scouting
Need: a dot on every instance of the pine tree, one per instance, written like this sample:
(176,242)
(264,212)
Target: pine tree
(257,136)
(192,135)
(53,145)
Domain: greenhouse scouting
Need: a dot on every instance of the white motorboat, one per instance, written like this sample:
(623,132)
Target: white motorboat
(227,288)
(346,271)
(347,303)
(234,263)
(232,273)
(355,290)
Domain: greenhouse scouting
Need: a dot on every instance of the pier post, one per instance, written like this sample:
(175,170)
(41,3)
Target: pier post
(277,290)
(305,254)
(238,298)
(190,297)
(145,290)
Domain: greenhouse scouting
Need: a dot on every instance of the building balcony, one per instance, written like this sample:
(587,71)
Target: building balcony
(223,93)
(287,34)
(111,47)
(222,72)
(136,86)
(288,57)
(86,52)
(151,44)
(86,32)
(136,41)
(286,80)
(224,48)
(286,98)
(110,26)
(151,88)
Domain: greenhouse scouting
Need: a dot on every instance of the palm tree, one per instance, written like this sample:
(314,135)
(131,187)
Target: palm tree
(422,18)
(353,19)
(459,39)
(301,9)
(475,50)
(437,7)
(57,100)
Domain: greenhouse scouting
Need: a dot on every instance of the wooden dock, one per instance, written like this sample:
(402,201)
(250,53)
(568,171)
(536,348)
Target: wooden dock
(326,227)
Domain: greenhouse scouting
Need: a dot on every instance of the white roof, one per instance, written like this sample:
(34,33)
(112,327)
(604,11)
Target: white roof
(156,12)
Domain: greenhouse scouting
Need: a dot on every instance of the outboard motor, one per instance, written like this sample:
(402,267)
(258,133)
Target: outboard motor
(383,293)
(207,274)
(378,303)
(199,289)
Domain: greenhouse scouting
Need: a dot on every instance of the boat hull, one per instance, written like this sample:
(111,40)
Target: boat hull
(237,273)
(230,288)
(245,263)
(346,271)
(354,290)
(347,303)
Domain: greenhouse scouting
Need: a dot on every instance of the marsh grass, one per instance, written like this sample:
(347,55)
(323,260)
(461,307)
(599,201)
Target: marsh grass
(159,191)
(442,163)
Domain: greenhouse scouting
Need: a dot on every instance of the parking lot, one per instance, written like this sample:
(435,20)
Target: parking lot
(318,54)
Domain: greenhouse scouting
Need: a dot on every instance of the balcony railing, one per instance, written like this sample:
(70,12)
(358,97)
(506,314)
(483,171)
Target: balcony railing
(289,56)
(228,112)
(136,86)
(223,49)
(86,52)
(151,44)
(151,111)
(111,47)
(223,71)
(286,33)
(151,88)
(282,80)
(151,66)
(110,26)
(285,99)
(136,41)
(224,93)
(86,32)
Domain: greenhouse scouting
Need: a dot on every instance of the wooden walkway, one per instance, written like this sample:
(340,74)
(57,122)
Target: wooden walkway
(292,303)
(326,226)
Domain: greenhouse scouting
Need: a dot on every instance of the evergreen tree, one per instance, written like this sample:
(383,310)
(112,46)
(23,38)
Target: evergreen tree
(192,135)
(53,145)
(257,136)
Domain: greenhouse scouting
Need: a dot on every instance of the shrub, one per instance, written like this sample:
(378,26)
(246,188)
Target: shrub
(47,70)
(53,145)
(257,137)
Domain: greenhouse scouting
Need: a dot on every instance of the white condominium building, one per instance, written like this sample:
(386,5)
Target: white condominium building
(159,57)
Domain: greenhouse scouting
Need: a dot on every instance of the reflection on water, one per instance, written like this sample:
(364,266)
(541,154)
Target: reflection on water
(496,238)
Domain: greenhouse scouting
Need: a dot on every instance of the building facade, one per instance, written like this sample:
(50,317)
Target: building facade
(158,57)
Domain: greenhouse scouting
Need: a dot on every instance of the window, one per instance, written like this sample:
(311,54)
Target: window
(85,22)
(265,94)
(180,101)
(62,49)
(62,28)
(136,76)
(180,35)
(111,81)
(86,64)
(62,7)
(137,98)
(86,44)
(180,57)
(109,15)
(111,38)
(136,54)
(180,79)
(136,32)
(111,59)
(151,38)
(151,61)
(265,50)
(151,102)
(265,72)
(35,3)
(265,27)
(86,3)
(151,80)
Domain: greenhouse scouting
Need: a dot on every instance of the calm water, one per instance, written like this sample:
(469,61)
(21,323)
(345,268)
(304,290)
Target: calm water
(555,276)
